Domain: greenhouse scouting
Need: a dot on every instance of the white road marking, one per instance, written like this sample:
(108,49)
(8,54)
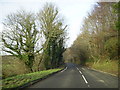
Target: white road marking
(84,79)
(64,69)
(77,68)
(83,69)
(88,85)
(83,76)
(80,72)
(101,81)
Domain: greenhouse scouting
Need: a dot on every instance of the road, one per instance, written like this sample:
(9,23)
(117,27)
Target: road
(74,76)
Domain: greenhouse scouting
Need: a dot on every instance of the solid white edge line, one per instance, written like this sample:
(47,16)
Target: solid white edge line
(64,69)
(84,79)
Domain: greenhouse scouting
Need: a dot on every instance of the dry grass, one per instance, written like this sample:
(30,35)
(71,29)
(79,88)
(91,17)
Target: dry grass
(12,66)
(106,66)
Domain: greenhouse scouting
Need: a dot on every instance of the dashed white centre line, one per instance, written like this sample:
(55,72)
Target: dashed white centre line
(77,68)
(80,72)
(88,85)
(84,79)
(83,76)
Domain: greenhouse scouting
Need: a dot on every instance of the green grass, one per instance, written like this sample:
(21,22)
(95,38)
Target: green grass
(12,66)
(19,80)
(110,66)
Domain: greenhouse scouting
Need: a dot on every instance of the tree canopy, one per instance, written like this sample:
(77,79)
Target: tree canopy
(24,30)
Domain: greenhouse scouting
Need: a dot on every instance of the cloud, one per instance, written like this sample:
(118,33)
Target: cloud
(73,10)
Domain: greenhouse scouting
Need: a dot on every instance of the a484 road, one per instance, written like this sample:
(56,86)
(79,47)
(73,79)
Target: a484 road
(74,76)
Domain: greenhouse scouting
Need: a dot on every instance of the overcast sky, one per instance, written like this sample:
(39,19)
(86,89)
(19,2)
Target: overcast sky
(73,11)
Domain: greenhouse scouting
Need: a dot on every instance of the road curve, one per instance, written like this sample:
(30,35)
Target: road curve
(75,76)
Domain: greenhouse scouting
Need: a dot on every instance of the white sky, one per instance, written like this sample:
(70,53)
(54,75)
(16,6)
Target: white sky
(73,11)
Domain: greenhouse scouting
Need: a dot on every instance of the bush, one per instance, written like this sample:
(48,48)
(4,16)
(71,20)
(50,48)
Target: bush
(12,66)
(111,47)
(110,66)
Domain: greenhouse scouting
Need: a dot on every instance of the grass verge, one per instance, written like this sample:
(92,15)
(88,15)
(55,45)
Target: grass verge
(109,67)
(19,80)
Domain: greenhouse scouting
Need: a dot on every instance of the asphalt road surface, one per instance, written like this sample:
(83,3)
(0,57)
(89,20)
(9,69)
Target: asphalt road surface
(74,76)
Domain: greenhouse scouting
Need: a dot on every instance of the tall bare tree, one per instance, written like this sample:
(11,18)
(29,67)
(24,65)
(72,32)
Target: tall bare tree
(53,30)
(20,36)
